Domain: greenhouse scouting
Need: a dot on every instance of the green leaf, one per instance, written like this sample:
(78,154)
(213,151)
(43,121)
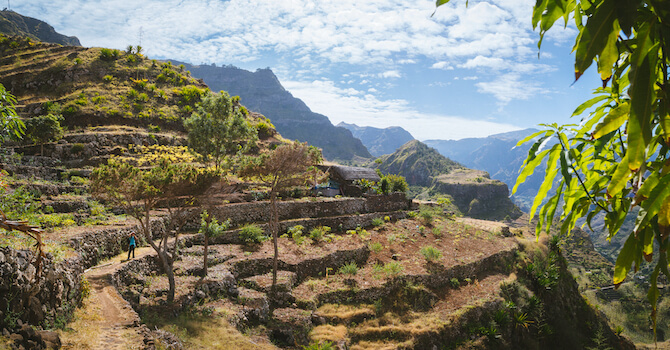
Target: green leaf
(648,243)
(594,37)
(588,104)
(550,174)
(653,204)
(608,56)
(613,121)
(534,135)
(619,178)
(641,110)
(439,3)
(625,260)
(528,169)
(538,9)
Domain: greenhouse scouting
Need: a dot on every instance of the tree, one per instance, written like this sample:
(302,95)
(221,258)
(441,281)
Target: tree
(218,127)
(11,126)
(139,191)
(617,159)
(43,129)
(286,166)
(210,227)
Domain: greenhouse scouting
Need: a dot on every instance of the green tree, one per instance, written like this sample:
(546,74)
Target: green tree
(219,127)
(286,166)
(617,159)
(139,191)
(43,129)
(210,227)
(11,126)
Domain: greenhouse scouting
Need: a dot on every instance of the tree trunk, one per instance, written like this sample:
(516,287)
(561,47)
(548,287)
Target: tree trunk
(204,261)
(274,223)
(167,266)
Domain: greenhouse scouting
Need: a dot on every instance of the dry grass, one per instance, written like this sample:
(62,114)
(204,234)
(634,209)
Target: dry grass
(84,330)
(379,345)
(345,312)
(329,333)
(213,333)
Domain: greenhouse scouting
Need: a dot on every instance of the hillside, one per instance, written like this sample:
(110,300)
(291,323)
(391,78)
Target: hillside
(262,92)
(359,273)
(12,23)
(379,141)
(497,155)
(472,191)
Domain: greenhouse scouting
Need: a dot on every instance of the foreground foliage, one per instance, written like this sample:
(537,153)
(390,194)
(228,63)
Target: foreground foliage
(617,157)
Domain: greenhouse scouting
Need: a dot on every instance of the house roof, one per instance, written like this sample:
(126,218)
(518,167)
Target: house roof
(350,173)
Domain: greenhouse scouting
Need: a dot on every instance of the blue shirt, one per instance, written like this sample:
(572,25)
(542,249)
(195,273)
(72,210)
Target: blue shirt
(132,240)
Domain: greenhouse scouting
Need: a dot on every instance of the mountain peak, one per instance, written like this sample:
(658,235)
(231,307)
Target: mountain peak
(379,141)
(12,23)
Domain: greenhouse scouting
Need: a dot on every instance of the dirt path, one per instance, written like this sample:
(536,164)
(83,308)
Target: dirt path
(106,320)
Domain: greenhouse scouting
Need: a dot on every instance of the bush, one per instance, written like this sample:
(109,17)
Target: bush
(296,234)
(392,269)
(431,253)
(251,234)
(454,282)
(109,54)
(376,222)
(108,78)
(396,183)
(318,233)
(76,148)
(376,247)
(350,269)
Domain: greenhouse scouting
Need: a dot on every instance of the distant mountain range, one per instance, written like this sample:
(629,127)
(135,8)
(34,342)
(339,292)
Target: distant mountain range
(12,23)
(497,155)
(262,92)
(379,141)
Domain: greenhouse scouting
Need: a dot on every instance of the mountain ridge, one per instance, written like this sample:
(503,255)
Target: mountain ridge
(12,23)
(262,92)
(379,141)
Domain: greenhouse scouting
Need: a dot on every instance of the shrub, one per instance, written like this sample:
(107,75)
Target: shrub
(318,233)
(251,234)
(411,214)
(376,247)
(320,346)
(109,54)
(108,78)
(154,128)
(392,269)
(396,183)
(454,282)
(263,129)
(350,269)
(296,234)
(76,148)
(431,253)
(376,222)
(437,232)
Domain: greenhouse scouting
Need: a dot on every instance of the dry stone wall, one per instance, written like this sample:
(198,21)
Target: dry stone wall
(242,213)
(47,302)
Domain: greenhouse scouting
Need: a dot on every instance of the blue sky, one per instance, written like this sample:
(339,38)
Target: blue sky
(467,71)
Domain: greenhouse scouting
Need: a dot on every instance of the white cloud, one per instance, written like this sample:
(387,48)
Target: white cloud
(390,74)
(508,87)
(366,109)
(442,65)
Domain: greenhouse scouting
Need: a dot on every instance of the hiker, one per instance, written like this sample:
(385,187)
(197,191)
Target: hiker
(132,242)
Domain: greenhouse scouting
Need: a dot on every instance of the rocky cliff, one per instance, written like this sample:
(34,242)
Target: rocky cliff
(12,23)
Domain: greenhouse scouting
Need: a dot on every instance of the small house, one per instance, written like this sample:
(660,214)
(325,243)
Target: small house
(344,180)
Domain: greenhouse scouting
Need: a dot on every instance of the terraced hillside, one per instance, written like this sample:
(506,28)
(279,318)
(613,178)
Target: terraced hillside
(377,272)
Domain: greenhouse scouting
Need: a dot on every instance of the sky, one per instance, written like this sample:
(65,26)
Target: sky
(468,70)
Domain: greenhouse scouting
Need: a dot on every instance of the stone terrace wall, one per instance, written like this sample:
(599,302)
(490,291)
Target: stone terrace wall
(47,303)
(242,213)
